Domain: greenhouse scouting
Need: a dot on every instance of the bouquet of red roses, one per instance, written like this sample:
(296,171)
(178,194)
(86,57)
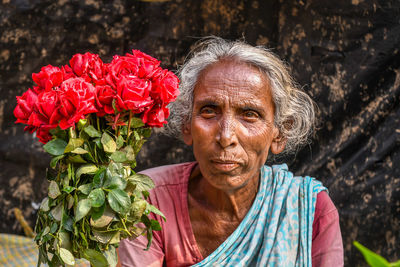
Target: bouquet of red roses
(93,118)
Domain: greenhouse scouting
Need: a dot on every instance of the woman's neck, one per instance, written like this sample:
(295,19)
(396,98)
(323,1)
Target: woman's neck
(233,203)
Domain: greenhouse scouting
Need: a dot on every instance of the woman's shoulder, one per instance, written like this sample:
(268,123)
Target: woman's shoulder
(173,174)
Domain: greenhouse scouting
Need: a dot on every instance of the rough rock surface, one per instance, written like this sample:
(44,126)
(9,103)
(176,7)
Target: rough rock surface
(345,53)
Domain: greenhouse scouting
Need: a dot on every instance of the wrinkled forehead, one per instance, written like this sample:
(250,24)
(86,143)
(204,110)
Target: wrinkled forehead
(234,74)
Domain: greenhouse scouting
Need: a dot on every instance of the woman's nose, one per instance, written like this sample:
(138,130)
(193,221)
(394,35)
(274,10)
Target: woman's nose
(226,135)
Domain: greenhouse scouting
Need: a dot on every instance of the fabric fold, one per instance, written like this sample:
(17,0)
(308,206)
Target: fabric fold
(277,230)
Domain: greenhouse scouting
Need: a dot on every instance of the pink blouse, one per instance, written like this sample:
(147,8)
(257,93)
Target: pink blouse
(175,244)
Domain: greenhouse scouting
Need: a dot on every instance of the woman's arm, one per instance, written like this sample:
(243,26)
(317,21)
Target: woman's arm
(327,246)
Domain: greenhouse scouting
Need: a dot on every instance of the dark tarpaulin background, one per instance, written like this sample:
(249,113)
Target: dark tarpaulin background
(345,53)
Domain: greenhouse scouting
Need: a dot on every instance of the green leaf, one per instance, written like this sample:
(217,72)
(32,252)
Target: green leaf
(57,211)
(138,207)
(108,142)
(54,227)
(153,209)
(104,220)
(97,198)
(76,159)
(142,182)
(149,233)
(96,213)
(97,141)
(137,136)
(86,169)
(91,131)
(119,156)
(98,178)
(54,161)
(46,230)
(79,150)
(130,154)
(85,188)
(73,143)
(96,258)
(55,147)
(395,264)
(119,201)
(155,225)
(82,209)
(115,169)
(111,237)
(44,206)
(67,222)
(111,256)
(67,256)
(115,182)
(64,240)
(136,122)
(70,201)
(146,132)
(371,257)
(120,141)
(68,189)
(54,190)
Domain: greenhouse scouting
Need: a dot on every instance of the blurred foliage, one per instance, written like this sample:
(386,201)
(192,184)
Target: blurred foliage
(373,259)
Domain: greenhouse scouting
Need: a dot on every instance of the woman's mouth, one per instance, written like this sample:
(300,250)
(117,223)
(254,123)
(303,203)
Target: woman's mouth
(225,165)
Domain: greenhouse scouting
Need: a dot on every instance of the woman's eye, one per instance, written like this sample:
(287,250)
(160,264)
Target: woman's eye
(207,112)
(251,115)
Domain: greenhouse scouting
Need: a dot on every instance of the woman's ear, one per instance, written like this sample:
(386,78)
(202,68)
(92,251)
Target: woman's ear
(278,142)
(187,134)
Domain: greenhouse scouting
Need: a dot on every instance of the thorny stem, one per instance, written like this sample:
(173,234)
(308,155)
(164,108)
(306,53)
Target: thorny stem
(98,123)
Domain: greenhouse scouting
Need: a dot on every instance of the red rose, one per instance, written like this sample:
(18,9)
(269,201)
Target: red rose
(105,96)
(155,116)
(77,99)
(48,77)
(25,106)
(47,109)
(43,134)
(165,87)
(140,55)
(121,66)
(133,94)
(88,66)
(67,72)
(147,64)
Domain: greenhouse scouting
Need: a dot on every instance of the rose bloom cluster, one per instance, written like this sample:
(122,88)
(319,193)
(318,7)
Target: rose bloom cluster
(132,83)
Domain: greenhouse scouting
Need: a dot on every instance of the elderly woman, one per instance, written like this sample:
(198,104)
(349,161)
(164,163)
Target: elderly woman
(238,103)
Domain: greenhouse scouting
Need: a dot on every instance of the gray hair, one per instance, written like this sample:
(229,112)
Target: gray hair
(294,109)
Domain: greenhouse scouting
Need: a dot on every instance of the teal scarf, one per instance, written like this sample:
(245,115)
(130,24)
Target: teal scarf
(277,230)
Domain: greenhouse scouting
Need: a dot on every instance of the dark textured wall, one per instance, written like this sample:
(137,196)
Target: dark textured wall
(346,53)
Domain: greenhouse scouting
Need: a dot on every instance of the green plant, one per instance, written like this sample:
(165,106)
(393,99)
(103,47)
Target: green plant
(373,259)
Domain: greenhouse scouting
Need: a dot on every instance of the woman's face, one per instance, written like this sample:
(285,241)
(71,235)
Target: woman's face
(232,127)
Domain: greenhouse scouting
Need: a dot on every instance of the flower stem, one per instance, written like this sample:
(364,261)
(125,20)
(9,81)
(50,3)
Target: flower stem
(123,223)
(98,124)
(129,125)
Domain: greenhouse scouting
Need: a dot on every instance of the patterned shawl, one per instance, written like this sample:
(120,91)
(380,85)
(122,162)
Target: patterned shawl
(277,230)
